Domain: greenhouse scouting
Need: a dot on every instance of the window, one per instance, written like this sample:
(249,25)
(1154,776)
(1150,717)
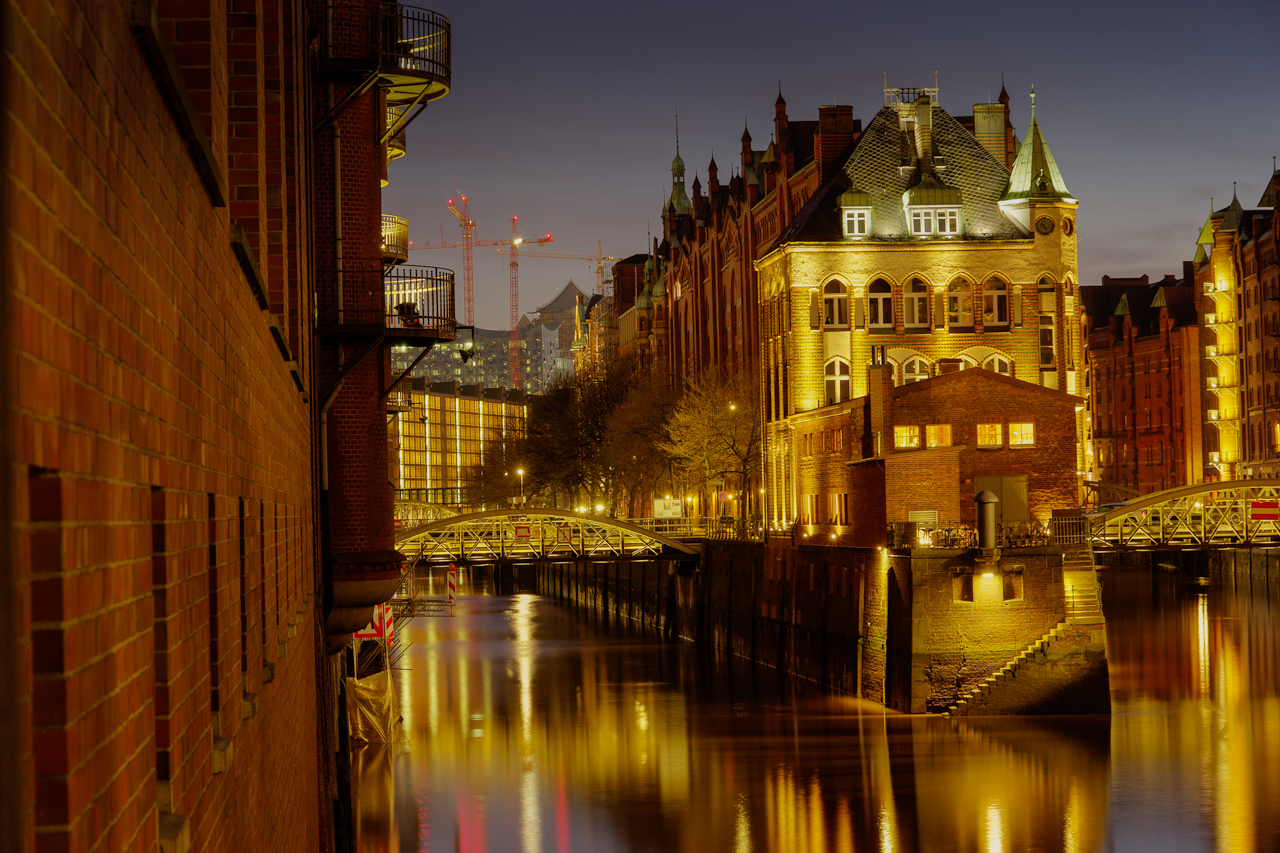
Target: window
(927,221)
(837,381)
(998,364)
(855,222)
(937,435)
(995,304)
(960,304)
(810,509)
(835,305)
(916,304)
(906,437)
(880,305)
(991,435)
(914,370)
(838,506)
(1022,435)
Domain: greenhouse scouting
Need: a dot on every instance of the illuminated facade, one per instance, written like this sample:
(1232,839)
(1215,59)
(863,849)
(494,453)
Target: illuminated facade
(442,431)
(928,251)
(1237,278)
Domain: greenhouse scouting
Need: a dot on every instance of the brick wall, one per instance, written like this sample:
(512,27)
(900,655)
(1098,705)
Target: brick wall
(162,462)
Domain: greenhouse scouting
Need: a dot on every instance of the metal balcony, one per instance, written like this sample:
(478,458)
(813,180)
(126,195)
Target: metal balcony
(407,305)
(395,239)
(414,66)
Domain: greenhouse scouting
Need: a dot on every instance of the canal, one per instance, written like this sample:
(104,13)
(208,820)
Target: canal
(532,726)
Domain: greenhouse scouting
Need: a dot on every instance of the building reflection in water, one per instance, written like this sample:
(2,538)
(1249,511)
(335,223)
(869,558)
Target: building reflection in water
(530,727)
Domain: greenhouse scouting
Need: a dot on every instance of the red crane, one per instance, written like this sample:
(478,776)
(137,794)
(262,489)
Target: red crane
(599,257)
(468,244)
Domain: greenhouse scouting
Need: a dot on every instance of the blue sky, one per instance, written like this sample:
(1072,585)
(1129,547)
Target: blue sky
(563,115)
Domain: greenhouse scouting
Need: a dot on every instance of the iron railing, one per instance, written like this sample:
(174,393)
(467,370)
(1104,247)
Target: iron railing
(396,143)
(364,292)
(415,41)
(395,237)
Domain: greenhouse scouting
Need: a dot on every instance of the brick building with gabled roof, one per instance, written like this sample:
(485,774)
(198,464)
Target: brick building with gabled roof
(921,451)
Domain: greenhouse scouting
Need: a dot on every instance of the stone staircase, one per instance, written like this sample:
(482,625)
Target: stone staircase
(1083,608)
(976,698)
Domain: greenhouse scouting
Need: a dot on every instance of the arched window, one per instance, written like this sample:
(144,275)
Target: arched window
(916,304)
(835,305)
(914,370)
(837,381)
(880,305)
(658,312)
(995,304)
(999,364)
(644,324)
(960,304)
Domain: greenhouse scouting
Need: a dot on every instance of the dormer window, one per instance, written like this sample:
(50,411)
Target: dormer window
(935,221)
(855,214)
(856,221)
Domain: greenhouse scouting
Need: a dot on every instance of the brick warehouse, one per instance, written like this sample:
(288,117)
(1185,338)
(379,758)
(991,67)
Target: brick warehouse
(197,508)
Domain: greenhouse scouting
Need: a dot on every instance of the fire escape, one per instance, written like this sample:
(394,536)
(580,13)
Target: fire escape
(381,63)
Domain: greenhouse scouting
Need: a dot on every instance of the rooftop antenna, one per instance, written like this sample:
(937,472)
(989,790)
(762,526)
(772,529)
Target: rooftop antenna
(677,129)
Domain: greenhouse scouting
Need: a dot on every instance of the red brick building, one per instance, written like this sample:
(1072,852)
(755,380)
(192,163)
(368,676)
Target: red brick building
(922,451)
(199,320)
(1144,383)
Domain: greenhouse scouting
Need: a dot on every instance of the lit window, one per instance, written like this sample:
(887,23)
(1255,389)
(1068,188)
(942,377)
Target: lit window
(937,435)
(990,435)
(995,304)
(906,437)
(855,222)
(1022,434)
(960,304)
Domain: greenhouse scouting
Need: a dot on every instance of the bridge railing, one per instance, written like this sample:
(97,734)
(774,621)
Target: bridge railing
(703,527)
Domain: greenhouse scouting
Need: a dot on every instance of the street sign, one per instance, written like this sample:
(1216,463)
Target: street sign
(523,531)
(564,536)
(724,496)
(1264,510)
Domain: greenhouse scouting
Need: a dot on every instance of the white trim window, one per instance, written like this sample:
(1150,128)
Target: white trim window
(995,304)
(916,304)
(857,222)
(960,304)
(880,305)
(998,364)
(935,221)
(836,375)
(914,369)
(835,305)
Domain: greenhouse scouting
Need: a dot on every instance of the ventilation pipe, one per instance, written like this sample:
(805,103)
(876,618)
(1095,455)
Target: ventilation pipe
(986,502)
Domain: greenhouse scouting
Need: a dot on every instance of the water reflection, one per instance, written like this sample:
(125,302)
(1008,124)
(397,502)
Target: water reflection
(530,727)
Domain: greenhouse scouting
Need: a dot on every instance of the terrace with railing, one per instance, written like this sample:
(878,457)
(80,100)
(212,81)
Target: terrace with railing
(405,304)
(395,239)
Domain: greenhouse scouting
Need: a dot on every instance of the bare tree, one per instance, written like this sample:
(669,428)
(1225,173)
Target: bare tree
(714,434)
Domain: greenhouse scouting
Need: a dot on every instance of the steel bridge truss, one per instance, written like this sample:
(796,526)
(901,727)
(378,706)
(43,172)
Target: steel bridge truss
(1232,512)
(522,535)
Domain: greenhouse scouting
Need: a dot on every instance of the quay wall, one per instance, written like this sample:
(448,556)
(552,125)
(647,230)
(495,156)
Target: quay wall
(904,629)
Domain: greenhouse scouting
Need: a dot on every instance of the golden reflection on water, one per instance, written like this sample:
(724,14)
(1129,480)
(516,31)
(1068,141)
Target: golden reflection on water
(531,728)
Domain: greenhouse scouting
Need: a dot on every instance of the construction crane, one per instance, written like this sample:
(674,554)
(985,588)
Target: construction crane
(599,257)
(468,244)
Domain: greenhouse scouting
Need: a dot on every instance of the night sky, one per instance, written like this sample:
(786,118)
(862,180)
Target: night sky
(563,114)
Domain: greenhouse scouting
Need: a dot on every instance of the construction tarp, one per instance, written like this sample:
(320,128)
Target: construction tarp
(371,711)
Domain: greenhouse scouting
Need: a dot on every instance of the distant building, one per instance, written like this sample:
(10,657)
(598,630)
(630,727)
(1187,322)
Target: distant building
(1144,382)
(1237,279)
(441,430)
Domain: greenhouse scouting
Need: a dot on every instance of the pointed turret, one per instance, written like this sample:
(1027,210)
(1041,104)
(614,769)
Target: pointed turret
(713,179)
(1035,174)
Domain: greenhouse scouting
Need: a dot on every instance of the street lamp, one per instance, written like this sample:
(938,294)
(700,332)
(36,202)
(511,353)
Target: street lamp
(520,471)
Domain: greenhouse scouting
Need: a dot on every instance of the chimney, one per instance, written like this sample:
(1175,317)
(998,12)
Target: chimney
(988,128)
(924,131)
(836,130)
(879,390)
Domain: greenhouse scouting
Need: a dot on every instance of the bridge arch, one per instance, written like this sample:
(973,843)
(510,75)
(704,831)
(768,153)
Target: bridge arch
(1205,514)
(521,534)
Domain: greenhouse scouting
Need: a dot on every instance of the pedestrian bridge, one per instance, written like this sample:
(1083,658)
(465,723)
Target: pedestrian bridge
(527,535)
(1233,512)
